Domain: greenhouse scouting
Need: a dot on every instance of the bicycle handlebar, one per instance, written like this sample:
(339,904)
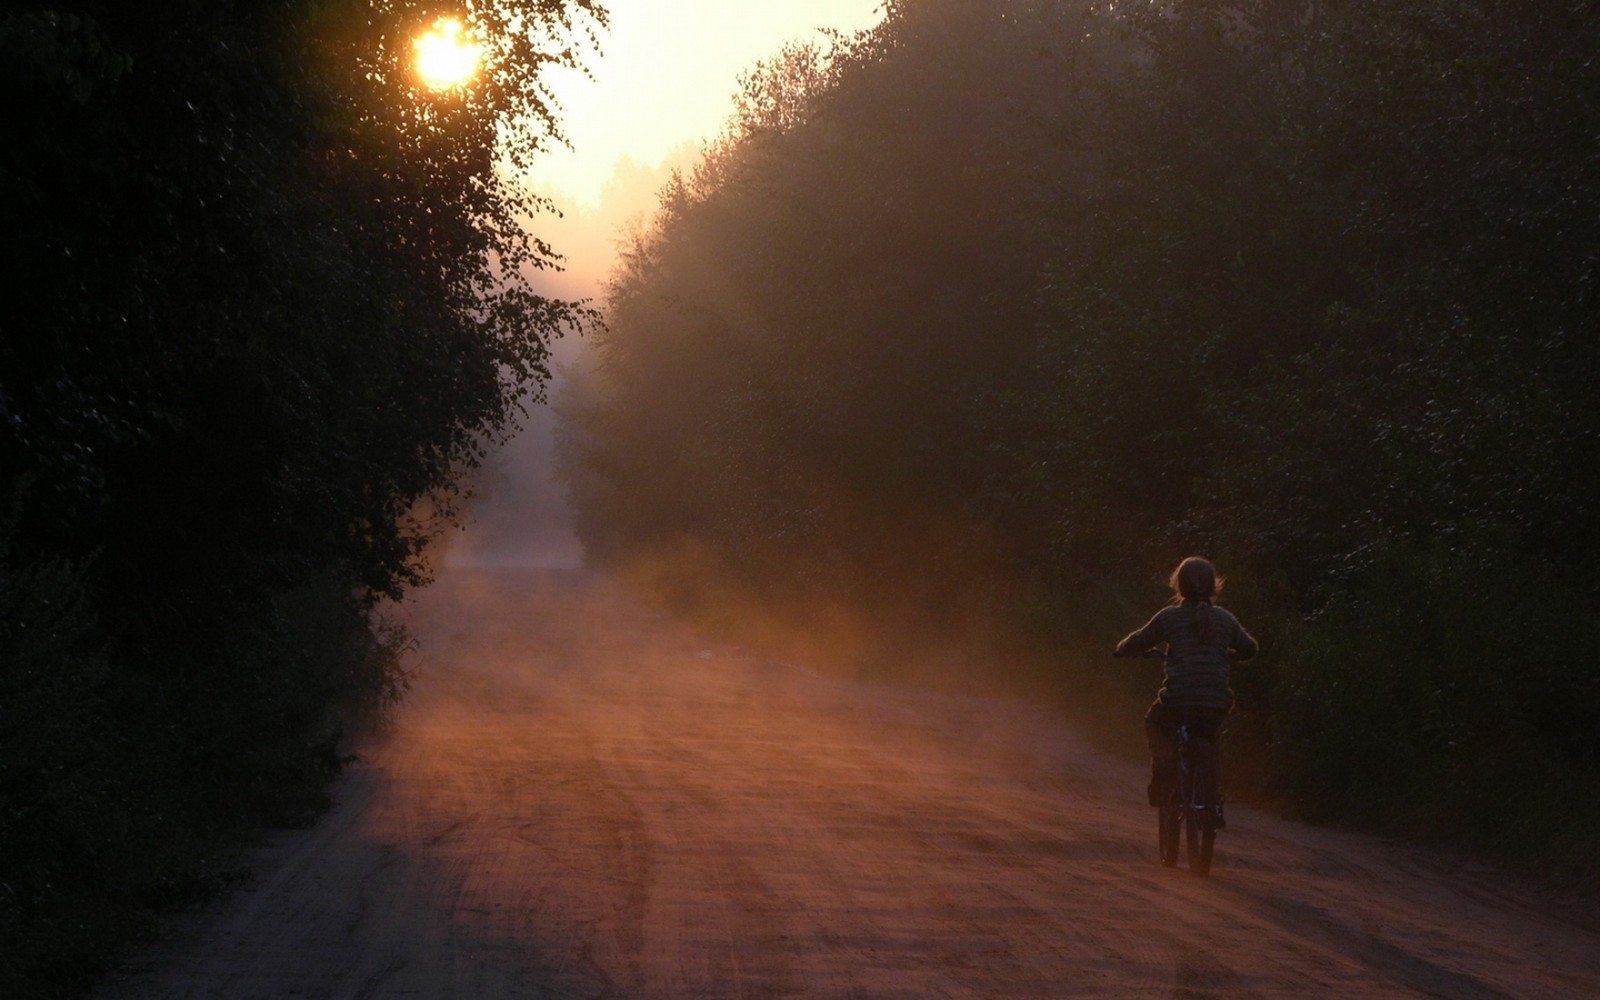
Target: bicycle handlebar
(1156,653)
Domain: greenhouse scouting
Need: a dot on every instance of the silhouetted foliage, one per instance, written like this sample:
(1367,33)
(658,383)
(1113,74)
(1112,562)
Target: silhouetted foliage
(1002,308)
(264,295)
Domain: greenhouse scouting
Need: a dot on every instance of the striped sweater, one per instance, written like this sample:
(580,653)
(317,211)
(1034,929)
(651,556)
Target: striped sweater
(1196,672)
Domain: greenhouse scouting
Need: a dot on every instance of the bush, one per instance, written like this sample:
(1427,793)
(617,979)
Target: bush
(1441,695)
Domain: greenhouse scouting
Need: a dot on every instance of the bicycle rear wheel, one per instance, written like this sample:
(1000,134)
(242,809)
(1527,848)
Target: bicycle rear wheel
(1201,843)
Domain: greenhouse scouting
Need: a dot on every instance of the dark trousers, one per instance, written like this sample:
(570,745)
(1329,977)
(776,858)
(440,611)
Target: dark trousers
(1160,723)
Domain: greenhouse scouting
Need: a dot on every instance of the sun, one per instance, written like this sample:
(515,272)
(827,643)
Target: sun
(446,58)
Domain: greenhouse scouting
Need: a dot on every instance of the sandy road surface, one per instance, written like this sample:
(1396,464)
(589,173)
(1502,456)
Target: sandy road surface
(584,800)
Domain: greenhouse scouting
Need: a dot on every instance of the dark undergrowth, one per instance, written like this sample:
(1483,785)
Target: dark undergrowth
(125,796)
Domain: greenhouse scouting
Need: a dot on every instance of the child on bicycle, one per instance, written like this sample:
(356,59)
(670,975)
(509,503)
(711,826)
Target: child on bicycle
(1200,638)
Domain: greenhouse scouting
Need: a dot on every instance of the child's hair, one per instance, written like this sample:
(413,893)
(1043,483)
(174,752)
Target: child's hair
(1196,580)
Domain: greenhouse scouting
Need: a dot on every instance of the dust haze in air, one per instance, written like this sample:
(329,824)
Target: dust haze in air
(639,91)
(518,513)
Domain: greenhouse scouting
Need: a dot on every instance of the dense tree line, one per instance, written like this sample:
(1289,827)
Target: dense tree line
(266,297)
(987,316)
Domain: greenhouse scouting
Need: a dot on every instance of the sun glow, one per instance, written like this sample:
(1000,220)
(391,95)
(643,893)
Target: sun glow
(445,57)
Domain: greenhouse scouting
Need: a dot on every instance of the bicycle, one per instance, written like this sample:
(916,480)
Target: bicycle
(1192,813)
(1195,804)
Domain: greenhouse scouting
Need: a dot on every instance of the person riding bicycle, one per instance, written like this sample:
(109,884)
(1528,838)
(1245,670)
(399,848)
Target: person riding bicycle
(1200,637)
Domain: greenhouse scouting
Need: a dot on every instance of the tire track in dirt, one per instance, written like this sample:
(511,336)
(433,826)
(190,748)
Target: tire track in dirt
(583,799)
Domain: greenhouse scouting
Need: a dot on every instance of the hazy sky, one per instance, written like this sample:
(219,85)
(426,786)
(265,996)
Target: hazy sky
(664,84)
(667,76)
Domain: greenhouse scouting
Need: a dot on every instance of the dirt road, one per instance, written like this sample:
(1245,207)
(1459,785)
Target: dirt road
(585,800)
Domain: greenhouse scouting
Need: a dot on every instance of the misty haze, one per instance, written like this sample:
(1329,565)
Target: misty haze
(947,498)
(519,514)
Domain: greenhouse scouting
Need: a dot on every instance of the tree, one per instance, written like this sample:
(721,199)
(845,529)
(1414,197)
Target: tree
(802,347)
(266,293)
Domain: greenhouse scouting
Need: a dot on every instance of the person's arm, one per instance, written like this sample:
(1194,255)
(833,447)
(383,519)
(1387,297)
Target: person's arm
(1243,645)
(1143,640)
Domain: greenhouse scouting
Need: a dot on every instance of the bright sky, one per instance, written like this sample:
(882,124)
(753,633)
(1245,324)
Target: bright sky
(667,76)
